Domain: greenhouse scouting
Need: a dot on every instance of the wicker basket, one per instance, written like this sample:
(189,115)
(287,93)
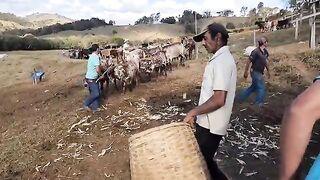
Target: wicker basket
(168,152)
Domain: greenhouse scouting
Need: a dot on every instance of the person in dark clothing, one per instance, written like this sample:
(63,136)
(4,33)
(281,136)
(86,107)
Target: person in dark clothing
(258,60)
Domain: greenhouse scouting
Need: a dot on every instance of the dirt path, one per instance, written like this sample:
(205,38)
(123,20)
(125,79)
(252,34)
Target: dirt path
(36,122)
(44,136)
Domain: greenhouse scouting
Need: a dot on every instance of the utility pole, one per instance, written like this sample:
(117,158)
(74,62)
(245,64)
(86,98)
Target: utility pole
(196,31)
(312,22)
(254,38)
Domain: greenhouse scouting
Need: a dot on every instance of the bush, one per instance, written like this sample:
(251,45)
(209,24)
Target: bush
(241,25)
(247,24)
(237,30)
(168,20)
(230,26)
(83,42)
(189,28)
(11,43)
(117,40)
(114,32)
(72,41)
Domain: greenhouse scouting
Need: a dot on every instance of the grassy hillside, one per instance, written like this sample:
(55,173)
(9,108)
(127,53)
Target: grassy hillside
(7,25)
(134,33)
(239,22)
(46,19)
(13,18)
(281,37)
(10,21)
(147,32)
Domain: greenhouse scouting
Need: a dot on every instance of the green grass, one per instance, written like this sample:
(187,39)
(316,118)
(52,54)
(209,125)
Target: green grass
(238,42)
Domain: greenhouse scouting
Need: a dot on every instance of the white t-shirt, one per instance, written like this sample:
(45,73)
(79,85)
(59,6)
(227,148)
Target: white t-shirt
(220,74)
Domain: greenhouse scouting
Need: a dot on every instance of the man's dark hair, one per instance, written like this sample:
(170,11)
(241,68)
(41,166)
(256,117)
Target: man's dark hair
(262,40)
(224,39)
(94,47)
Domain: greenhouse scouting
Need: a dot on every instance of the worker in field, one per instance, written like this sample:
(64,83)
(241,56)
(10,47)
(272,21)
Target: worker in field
(296,130)
(92,75)
(216,97)
(258,62)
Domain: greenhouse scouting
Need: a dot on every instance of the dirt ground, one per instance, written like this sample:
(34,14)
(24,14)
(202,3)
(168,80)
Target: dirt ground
(41,137)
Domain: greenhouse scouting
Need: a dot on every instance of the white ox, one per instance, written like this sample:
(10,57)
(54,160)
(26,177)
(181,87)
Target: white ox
(175,51)
(135,56)
(160,63)
(127,74)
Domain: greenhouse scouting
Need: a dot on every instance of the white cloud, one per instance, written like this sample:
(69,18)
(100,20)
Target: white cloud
(125,11)
(111,5)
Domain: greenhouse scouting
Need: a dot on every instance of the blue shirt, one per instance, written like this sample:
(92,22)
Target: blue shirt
(93,62)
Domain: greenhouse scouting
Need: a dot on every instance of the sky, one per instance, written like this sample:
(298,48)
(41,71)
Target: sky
(126,11)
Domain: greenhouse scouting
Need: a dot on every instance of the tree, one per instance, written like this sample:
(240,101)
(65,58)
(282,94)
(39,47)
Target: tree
(156,18)
(291,3)
(207,14)
(111,22)
(260,8)
(188,17)
(297,5)
(253,15)
(143,20)
(265,12)
(243,11)
(260,5)
(117,40)
(226,12)
(230,26)
(283,12)
(168,20)
(148,20)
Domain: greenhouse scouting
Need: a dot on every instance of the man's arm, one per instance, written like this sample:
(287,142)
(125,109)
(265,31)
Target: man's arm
(97,65)
(268,71)
(246,70)
(267,63)
(98,69)
(296,130)
(216,101)
(249,64)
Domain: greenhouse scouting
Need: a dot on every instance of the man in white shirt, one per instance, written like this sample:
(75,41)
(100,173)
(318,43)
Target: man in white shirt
(216,97)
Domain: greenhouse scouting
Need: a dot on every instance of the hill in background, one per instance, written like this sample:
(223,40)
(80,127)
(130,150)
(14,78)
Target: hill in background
(46,19)
(147,32)
(9,21)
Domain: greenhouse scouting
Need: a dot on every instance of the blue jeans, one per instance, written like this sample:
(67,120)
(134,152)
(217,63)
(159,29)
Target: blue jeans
(257,86)
(93,100)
